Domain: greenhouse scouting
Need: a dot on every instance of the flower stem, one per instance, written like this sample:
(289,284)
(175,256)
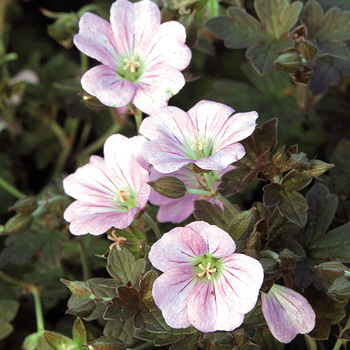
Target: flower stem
(340,342)
(310,342)
(44,202)
(227,204)
(84,260)
(38,309)
(154,226)
(198,191)
(138,118)
(96,145)
(11,189)
(84,62)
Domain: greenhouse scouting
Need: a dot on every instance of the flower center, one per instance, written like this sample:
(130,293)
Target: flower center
(125,199)
(198,148)
(198,144)
(207,266)
(130,67)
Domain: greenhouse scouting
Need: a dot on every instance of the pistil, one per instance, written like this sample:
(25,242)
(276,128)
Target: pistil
(131,65)
(206,271)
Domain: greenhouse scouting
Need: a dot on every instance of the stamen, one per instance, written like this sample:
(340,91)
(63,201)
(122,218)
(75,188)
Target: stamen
(131,65)
(120,196)
(116,240)
(206,271)
(198,144)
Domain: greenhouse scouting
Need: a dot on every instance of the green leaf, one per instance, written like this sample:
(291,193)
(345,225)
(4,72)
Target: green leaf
(293,206)
(210,213)
(333,245)
(189,342)
(58,341)
(107,342)
(330,30)
(243,224)
(120,265)
(123,330)
(125,306)
(278,16)
(8,311)
(322,207)
(238,30)
(79,333)
(80,307)
(265,53)
(137,270)
(295,181)
(146,285)
(281,227)
(272,194)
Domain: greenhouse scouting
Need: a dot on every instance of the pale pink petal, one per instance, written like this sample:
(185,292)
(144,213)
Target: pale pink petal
(170,293)
(133,24)
(210,118)
(208,312)
(156,86)
(287,313)
(239,127)
(103,82)
(26,75)
(95,39)
(171,123)
(176,249)
(167,47)
(240,281)
(89,218)
(222,159)
(177,210)
(217,241)
(92,182)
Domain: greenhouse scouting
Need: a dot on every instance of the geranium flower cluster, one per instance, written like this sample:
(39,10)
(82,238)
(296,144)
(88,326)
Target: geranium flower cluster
(204,282)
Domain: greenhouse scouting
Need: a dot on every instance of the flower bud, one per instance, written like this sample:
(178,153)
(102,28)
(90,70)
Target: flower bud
(318,167)
(169,186)
(92,102)
(25,205)
(332,270)
(107,342)
(18,224)
(340,289)
(289,62)
(64,28)
(308,50)
(279,159)
(79,288)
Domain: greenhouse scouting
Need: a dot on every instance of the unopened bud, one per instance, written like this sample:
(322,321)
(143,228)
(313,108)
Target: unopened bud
(79,288)
(308,50)
(107,342)
(26,205)
(18,224)
(332,270)
(64,28)
(169,186)
(92,102)
(279,159)
(340,289)
(289,62)
(318,167)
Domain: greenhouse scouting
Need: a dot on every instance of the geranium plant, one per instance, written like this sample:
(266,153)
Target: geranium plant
(170,191)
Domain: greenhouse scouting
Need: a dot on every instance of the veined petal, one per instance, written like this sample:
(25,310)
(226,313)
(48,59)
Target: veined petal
(240,281)
(103,82)
(133,24)
(156,86)
(208,312)
(170,293)
(239,127)
(92,183)
(210,118)
(167,47)
(89,218)
(222,158)
(177,247)
(95,39)
(287,313)
(217,241)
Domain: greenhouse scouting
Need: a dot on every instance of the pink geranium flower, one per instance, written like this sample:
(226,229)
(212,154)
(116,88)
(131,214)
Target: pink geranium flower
(287,313)
(207,135)
(141,58)
(204,282)
(108,191)
(179,209)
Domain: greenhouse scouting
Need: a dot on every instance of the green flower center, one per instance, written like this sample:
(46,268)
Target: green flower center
(207,266)
(125,199)
(130,68)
